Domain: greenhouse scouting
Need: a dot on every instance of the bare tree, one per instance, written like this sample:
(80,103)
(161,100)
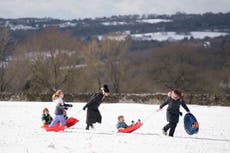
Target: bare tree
(93,56)
(106,60)
(51,57)
(6,46)
(225,76)
(174,66)
(115,59)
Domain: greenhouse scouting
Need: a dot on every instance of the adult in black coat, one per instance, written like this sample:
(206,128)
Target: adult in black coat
(173,111)
(93,114)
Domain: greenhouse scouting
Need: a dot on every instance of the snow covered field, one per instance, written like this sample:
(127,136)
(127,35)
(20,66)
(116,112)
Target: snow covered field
(20,130)
(163,36)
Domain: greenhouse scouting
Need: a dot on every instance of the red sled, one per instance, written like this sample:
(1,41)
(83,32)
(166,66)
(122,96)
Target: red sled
(71,121)
(131,128)
(55,128)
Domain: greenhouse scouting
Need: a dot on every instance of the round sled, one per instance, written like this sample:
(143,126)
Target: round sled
(191,124)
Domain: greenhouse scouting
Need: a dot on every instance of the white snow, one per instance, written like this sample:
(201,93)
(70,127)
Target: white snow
(163,36)
(153,21)
(20,130)
(21,27)
(114,23)
(67,24)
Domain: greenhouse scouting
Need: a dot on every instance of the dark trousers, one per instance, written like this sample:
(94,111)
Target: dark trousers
(171,126)
(89,125)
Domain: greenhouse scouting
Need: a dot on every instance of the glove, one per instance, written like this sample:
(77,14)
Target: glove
(68,105)
(84,107)
(159,109)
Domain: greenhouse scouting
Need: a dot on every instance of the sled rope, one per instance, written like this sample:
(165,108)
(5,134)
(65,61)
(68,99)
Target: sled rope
(75,113)
(148,117)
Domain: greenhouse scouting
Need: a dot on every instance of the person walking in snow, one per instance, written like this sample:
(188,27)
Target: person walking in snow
(174,101)
(57,98)
(93,114)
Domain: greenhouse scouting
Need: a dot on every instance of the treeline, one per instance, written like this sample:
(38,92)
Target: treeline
(53,59)
(90,28)
(147,98)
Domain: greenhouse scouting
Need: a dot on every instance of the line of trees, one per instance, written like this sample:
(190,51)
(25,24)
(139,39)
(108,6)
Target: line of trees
(54,59)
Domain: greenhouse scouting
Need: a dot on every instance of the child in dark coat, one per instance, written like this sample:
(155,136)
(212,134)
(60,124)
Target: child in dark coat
(46,118)
(65,115)
(173,111)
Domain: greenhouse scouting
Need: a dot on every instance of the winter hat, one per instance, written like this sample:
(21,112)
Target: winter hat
(105,88)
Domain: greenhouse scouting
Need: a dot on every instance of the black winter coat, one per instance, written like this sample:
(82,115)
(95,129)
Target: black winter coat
(173,110)
(93,114)
(59,109)
(46,119)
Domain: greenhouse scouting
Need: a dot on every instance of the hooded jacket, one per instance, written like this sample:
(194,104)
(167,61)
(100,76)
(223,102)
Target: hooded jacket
(173,110)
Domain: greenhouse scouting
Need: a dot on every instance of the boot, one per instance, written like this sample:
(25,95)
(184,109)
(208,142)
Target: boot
(164,132)
(87,127)
(91,125)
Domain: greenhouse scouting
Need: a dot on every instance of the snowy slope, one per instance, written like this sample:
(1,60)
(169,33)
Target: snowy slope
(164,36)
(20,131)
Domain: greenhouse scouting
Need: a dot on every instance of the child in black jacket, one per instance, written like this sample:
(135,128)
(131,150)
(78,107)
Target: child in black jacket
(173,111)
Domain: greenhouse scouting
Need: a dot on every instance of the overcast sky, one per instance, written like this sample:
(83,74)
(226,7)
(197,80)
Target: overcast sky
(75,9)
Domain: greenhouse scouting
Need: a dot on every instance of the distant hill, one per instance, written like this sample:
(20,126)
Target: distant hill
(151,53)
(144,28)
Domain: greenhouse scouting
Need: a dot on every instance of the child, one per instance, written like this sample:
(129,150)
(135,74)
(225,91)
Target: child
(46,118)
(65,114)
(121,123)
(173,111)
(60,108)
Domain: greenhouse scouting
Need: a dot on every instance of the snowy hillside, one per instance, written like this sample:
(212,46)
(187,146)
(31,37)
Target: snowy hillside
(173,36)
(20,130)
(146,27)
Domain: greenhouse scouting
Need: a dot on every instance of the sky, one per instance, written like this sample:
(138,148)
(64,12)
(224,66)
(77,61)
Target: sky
(78,9)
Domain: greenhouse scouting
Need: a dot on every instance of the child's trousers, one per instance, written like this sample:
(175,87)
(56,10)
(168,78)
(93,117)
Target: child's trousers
(58,118)
(172,127)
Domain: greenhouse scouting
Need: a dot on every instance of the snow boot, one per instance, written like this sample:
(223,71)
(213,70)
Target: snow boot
(164,132)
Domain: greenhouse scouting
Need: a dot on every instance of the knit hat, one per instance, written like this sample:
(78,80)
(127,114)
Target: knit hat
(105,88)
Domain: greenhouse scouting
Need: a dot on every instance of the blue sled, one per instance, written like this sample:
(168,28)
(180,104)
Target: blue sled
(191,125)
